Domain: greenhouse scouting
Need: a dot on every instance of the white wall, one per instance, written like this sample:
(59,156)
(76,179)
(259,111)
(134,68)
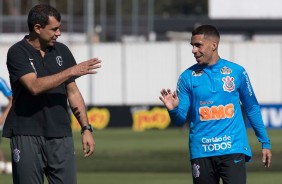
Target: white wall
(249,9)
(134,73)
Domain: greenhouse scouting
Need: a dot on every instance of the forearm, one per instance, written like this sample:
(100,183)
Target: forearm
(177,117)
(39,85)
(78,108)
(80,113)
(255,118)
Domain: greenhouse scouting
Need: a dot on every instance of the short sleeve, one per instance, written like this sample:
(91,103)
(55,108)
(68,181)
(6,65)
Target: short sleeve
(18,63)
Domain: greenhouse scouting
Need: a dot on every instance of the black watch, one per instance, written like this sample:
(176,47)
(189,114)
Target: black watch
(87,127)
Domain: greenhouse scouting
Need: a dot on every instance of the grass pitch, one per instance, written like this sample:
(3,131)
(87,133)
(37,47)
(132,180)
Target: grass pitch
(154,157)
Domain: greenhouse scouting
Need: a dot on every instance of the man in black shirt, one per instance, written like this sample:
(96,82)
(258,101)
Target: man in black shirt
(42,75)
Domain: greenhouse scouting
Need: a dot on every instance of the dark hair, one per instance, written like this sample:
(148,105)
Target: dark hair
(206,30)
(39,14)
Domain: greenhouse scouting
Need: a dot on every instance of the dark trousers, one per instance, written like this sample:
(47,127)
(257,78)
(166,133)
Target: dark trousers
(34,156)
(209,170)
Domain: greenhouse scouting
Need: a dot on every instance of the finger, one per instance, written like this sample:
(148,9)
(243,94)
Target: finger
(162,99)
(92,67)
(86,151)
(168,91)
(267,164)
(91,62)
(90,151)
(163,92)
(174,94)
(95,62)
(263,159)
(268,160)
(92,72)
(84,147)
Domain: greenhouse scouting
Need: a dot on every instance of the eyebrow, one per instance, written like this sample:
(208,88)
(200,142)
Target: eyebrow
(196,43)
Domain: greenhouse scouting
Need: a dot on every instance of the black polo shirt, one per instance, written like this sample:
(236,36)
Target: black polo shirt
(45,114)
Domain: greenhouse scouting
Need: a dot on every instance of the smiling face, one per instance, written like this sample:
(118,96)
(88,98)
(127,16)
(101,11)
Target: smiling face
(204,49)
(49,34)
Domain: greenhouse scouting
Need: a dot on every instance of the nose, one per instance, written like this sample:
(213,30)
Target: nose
(58,32)
(194,49)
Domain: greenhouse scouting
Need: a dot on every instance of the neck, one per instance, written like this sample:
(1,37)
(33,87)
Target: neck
(35,42)
(214,60)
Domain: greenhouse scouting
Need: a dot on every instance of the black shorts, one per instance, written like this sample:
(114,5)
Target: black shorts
(34,156)
(230,169)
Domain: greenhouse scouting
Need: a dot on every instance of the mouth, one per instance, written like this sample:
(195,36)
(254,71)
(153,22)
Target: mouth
(197,58)
(53,40)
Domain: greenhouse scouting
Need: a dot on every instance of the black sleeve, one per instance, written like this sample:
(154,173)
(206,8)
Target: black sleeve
(18,63)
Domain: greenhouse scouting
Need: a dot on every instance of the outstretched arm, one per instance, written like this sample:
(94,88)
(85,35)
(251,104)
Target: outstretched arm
(39,85)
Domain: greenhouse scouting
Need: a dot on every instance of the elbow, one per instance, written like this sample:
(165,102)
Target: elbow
(34,92)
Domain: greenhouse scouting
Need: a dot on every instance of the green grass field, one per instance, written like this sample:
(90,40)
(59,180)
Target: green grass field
(154,157)
(154,178)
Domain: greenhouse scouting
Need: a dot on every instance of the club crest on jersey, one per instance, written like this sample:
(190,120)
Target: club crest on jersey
(16,155)
(197,73)
(228,84)
(225,70)
(195,170)
(59,60)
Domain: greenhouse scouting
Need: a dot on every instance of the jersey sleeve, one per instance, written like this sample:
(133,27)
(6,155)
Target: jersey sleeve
(252,109)
(18,63)
(4,88)
(179,114)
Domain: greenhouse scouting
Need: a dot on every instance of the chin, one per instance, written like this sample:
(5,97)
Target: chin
(200,62)
(51,43)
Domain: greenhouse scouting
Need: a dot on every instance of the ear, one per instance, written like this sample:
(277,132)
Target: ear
(214,45)
(37,28)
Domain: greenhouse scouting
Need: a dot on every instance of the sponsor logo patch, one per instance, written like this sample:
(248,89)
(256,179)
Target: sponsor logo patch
(225,70)
(197,73)
(211,144)
(216,112)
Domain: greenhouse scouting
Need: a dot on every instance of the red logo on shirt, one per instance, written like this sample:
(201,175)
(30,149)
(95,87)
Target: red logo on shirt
(216,112)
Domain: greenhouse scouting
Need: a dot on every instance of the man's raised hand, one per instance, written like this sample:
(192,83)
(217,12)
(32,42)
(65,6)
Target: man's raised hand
(86,67)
